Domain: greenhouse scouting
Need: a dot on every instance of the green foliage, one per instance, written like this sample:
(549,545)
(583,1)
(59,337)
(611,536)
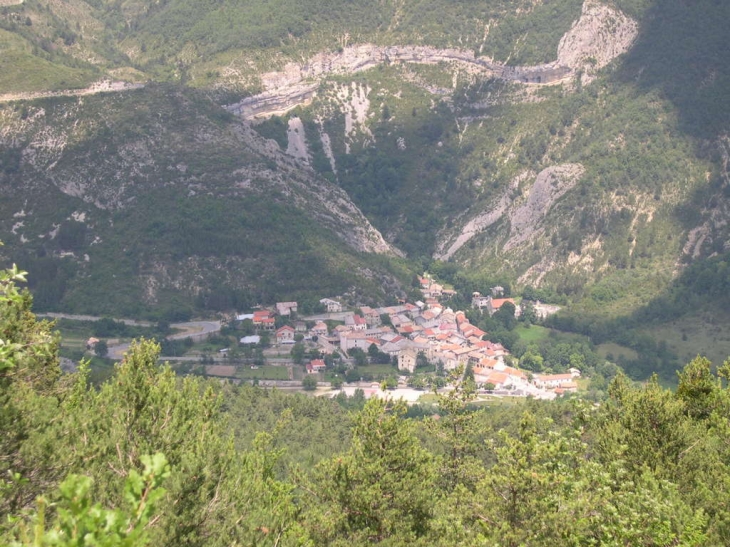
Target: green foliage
(281,248)
(647,467)
(309,383)
(78,521)
(101,349)
(381,489)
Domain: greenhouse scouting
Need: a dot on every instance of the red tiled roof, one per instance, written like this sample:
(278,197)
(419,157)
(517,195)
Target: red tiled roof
(498,302)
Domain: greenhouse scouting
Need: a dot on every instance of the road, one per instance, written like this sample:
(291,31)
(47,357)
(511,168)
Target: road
(73,317)
(197,330)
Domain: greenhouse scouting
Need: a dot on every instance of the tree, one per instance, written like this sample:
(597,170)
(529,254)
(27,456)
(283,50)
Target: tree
(297,353)
(469,373)
(78,521)
(698,388)
(457,433)
(381,489)
(361,358)
(373,352)
(528,315)
(101,349)
(506,316)
(309,383)
(337,382)
(542,490)
(390,382)
(532,360)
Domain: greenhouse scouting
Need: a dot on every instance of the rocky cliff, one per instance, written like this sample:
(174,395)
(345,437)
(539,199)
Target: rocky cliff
(600,35)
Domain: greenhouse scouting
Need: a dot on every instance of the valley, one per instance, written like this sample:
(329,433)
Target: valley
(393,273)
(354,158)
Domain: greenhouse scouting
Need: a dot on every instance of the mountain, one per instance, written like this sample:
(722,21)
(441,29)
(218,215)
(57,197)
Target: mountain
(158,197)
(577,147)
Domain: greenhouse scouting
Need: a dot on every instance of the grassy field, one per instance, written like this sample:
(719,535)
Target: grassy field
(378,370)
(615,349)
(697,334)
(266,372)
(534,333)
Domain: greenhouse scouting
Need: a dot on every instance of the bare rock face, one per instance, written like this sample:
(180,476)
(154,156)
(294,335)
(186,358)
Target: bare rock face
(525,214)
(297,83)
(297,144)
(549,186)
(482,220)
(102,86)
(600,35)
(714,226)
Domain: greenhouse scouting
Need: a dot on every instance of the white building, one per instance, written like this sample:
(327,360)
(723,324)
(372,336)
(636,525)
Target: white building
(332,306)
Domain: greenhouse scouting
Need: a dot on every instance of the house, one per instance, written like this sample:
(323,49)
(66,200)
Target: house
(325,346)
(315,366)
(478,301)
(495,304)
(448,293)
(407,359)
(300,326)
(268,323)
(319,329)
(515,373)
(356,322)
(568,387)
(553,380)
(372,317)
(285,335)
(263,319)
(395,345)
(352,340)
(91,343)
(286,308)
(332,306)
(498,379)
(468,330)
(436,290)
(497,291)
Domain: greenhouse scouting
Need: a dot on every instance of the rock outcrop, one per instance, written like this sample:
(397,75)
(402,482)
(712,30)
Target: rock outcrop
(600,35)
(524,215)
(549,186)
(297,82)
(103,86)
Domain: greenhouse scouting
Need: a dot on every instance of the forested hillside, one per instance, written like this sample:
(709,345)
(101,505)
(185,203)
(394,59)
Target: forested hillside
(150,459)
(160,200)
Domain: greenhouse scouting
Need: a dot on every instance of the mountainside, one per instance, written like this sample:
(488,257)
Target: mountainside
(556,143)
(159,197)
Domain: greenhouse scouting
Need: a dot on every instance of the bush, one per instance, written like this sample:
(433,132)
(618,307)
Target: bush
(309,383)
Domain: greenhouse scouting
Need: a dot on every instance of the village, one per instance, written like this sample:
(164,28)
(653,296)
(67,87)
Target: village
(409,334)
